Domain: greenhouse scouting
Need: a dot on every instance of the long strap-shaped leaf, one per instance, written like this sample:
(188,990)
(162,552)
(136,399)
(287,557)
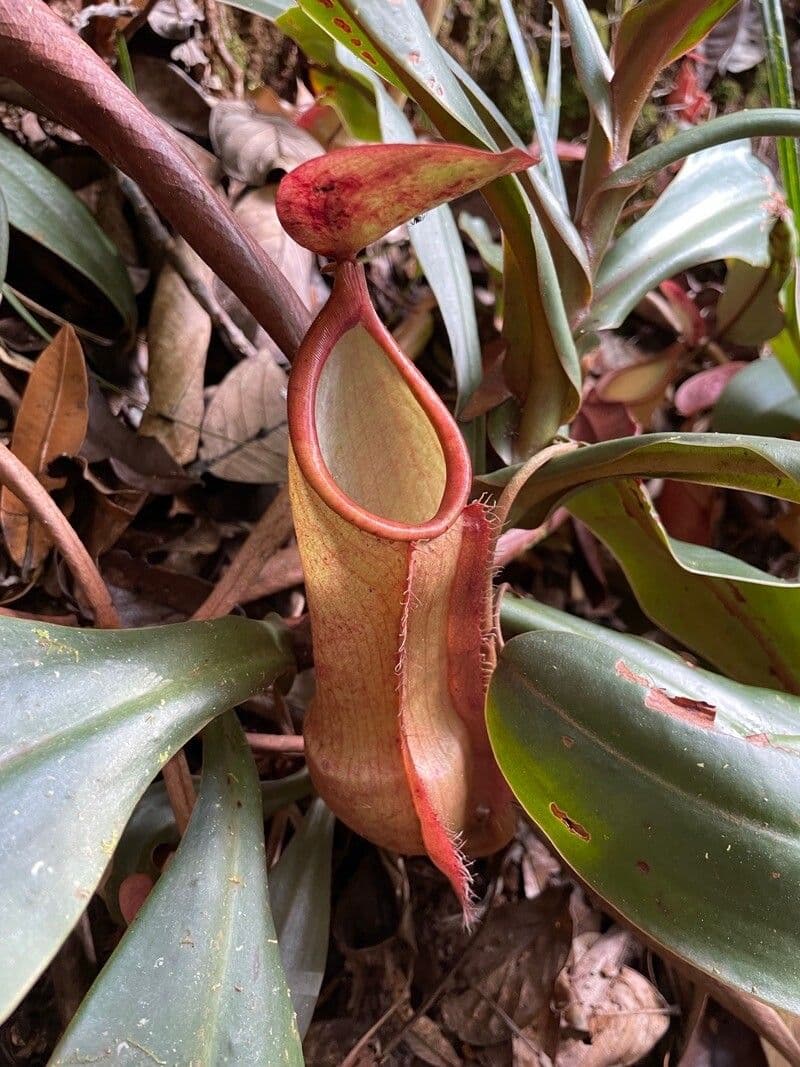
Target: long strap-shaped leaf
(87,719)
(674,793)
(198,976)
(757,464)
(742,620)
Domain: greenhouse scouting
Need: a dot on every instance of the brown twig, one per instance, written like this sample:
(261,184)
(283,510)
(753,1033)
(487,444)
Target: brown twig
(269,533)
(288,744)
(30,491)
(160,238)
(217,35)
(180,789)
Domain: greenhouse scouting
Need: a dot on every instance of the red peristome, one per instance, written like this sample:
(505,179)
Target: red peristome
(471,655)
(337,204)
(349,305)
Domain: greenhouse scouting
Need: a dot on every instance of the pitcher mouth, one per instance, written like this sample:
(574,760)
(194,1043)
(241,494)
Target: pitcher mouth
(349,307)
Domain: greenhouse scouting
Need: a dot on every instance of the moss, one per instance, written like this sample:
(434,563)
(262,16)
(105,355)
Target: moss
(758,94)
(727,94)
(647,123)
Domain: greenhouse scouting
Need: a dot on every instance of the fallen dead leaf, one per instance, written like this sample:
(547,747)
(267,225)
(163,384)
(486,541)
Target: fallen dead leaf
(51,422)
(140,462)
(250,144)
(178,334)
(256,212)
(611,1015)
(511,972)
(244,429)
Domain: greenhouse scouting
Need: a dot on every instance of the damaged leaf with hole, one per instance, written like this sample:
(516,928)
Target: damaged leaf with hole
(677,800)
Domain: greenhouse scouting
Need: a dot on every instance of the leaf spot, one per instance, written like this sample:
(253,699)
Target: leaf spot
(643,866)
(343,25)
(567,741)
(687,709)
(572,825)
(759,740)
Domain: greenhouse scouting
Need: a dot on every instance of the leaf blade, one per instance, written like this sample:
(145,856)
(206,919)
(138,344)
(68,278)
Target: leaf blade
(88,718)
(641,800)
(300,891)
(197,977)
(42,207)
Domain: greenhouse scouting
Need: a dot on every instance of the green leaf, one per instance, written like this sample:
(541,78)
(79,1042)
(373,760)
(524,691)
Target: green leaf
(781,94)
(672,792)
(756,464)
(153,823)
(567,248)
(42,207)
(197,978)
(607,200)
(268,9)
(743,621)
(761,399)
(541,359)
(477,229)
(704,22)
(552,96)
(551,166)
(300,891)
(592,65)
(650,36)
(87,719)
(436,242)
(720,206)
(786,345)
(749,311)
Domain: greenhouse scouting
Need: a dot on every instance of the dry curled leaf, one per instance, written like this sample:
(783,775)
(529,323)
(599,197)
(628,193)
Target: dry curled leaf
(51,422)
(611,1014)
(244,429)
(178,334)
(250,144)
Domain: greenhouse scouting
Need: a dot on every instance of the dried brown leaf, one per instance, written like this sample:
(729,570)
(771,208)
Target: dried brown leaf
(256,212)
(178,334)
(611,1014)
(425,1039)
(51,422)
(250,144)
(244,429)
(140,462)
(172,95)
(513,969)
